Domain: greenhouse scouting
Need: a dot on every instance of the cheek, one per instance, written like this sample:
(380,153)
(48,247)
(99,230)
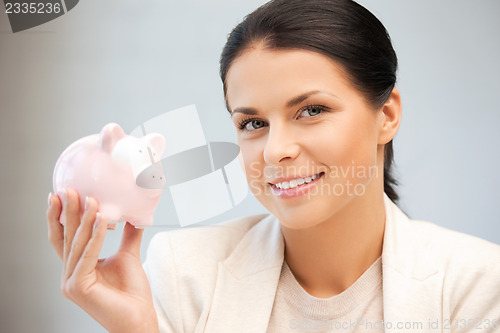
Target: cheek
(349,151)
(253,164)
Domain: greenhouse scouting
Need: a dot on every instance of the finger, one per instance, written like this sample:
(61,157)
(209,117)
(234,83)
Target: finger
(82,236)
(56,230)
(131,239)
(90,256)
(71,216)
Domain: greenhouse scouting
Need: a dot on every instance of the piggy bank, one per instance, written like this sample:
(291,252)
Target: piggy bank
(123,173)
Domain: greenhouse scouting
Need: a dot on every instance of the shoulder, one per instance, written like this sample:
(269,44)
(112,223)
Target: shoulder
(216,241)
(460,271)
(418,248)
(197,247)
(182,268)
(469,266)
(431,247)
(453,249)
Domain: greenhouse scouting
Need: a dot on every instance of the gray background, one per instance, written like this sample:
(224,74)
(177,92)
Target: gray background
(128,61)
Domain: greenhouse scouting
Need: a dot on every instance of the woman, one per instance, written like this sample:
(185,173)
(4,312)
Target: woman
(310,86)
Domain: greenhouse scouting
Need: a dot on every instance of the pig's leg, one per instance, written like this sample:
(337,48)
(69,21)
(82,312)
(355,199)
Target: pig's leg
(145,221)
(112,213)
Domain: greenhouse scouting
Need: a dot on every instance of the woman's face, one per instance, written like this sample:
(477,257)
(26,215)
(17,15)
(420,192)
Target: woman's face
(309,141)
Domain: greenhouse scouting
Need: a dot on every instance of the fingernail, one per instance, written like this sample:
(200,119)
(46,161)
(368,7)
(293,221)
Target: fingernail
(50,197)
(86,203)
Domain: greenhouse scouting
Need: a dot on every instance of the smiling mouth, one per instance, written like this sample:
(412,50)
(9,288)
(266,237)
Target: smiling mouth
(296,182)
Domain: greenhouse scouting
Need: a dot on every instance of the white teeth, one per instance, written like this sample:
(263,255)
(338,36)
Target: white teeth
(295,182)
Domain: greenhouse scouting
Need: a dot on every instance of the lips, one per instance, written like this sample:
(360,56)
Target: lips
(292,183)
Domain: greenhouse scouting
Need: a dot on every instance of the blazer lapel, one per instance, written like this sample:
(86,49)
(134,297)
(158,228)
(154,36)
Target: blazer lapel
(412,284)
(247,281)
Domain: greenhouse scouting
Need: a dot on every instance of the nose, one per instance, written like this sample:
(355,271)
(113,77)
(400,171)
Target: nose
(152,177)
(281,145)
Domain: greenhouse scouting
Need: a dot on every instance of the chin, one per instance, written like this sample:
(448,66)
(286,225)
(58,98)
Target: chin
(301,216)
(295,224)
(309,213)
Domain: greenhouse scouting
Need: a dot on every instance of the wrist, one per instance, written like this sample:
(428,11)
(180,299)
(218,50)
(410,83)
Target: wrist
(139,324)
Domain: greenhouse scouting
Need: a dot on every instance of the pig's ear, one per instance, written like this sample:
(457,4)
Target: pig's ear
(157,142)
(109,136)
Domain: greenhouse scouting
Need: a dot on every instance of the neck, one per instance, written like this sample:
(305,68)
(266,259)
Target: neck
(329,257)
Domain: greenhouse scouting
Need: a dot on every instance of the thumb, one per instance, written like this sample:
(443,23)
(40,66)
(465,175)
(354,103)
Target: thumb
(131,239)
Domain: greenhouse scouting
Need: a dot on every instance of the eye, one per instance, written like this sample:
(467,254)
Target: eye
(312,110)
(251,124)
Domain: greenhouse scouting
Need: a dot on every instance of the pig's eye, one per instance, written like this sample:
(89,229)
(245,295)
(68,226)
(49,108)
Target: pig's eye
(140,151)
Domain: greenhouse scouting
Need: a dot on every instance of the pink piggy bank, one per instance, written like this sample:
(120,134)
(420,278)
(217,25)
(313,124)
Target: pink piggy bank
(122,172)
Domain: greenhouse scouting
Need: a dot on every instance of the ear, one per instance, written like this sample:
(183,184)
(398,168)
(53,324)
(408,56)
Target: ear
(391,118)
(109,136)
(157,142)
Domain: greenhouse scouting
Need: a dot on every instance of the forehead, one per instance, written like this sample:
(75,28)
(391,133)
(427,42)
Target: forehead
(261,75)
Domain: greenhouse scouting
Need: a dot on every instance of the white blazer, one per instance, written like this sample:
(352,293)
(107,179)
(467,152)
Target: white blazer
(223,278)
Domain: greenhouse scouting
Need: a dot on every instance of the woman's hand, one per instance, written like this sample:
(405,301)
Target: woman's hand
(114,291)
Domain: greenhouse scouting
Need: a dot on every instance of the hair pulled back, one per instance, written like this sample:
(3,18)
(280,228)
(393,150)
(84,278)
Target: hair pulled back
(339,29)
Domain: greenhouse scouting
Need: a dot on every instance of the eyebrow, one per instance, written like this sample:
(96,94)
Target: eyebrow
(294,101)
(244,110)
(299,99)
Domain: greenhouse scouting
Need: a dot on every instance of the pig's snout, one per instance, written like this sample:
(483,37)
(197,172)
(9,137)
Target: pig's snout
(152,177)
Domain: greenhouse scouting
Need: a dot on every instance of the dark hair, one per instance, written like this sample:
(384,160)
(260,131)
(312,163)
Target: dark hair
(340,29)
